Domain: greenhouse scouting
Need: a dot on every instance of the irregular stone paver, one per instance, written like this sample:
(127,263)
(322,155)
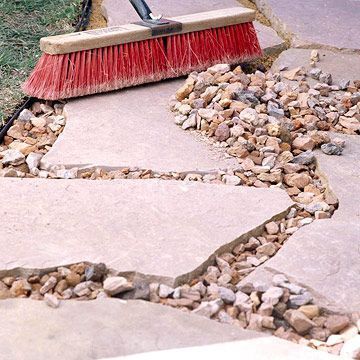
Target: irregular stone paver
(324,256)
(163,228)
(270,42)
(326,23)
(268,38)
(343,176)
(175,8)
(131,128)
(107,328)
(341,66)
(263,348)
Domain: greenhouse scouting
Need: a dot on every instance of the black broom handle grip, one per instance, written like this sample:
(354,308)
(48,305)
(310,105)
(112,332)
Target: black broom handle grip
(141,8)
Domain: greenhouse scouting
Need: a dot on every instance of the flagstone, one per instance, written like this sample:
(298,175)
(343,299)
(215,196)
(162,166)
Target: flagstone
(321,23)
(165,230)
(131,128)
(109,328)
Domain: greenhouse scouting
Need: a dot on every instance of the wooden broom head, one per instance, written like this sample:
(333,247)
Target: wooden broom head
(117,35)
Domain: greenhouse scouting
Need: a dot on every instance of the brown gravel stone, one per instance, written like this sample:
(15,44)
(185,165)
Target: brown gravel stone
(20,288)
(73,279)
(336,323)
(298,321)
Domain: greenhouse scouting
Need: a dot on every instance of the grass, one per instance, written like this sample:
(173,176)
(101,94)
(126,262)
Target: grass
(22,24)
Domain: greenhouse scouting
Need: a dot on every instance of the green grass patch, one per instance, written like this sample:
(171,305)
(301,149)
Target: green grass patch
(22,24)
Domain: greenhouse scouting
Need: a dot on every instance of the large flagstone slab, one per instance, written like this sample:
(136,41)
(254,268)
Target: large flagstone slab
(108,328)
(268,38)
(320,23)
(167,8)
(131,128)
(167,229)
(324,256)
(343,175)
(263,348)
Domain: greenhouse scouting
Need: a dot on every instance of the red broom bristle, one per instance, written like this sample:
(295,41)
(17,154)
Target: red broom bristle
(114,67)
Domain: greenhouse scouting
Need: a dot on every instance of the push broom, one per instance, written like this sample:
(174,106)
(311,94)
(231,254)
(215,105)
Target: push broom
(152,49)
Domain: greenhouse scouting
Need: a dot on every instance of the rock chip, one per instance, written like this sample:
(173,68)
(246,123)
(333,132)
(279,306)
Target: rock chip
(303,143)
(293,288)
(325,78)
(83,288)
(231,180)
(25,115)
(336,323)
(67,173)
(165,291)
(226,295)
(299,321)
(331,149)
(13,157)
(268,249)
(299,300)
(219,68)
(249,115)
(255,322)
(39,122)
(184,91)
(33,160)
(315,73)
(20,288)
(209,93)
(116,284)
(46,109)
(207,114)
(272,295)
(190,122)
(21,146)
(293,73)
(317,206)
(305,158)
(95,272)
(272,228)
(49,284)
(209,308)
(241,298)
(184,109)
(73,278)
(310,311)
(61,286)
(16,131)
(222,132)
(51,301)
(297,180)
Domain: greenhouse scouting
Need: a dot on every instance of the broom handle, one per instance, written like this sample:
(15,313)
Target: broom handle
(142,8)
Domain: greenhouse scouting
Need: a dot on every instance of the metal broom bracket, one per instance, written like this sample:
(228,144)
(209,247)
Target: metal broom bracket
(157,24)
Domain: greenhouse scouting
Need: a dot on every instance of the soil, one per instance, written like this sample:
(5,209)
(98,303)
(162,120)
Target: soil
(259,16)
(97,19)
